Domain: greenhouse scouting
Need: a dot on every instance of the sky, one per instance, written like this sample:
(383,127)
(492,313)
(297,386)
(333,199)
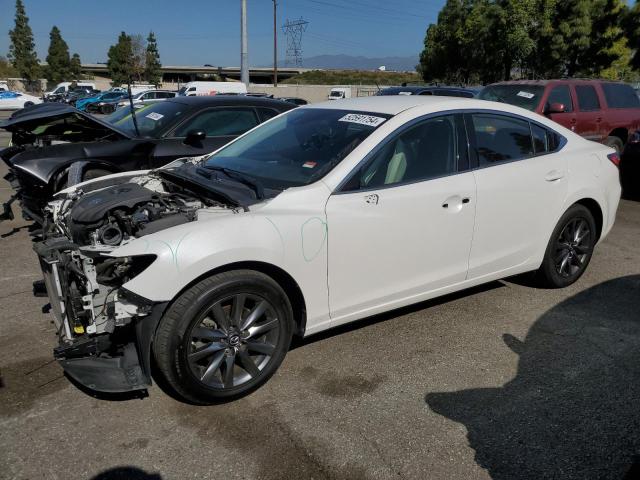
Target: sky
(198,32)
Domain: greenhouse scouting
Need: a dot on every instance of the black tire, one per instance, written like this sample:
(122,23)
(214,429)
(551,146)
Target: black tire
(615,143)
(566,259)
(28,104)
(193,324)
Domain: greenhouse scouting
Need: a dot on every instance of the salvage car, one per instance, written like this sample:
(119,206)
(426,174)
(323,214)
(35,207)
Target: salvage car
(324,215)
(58,145)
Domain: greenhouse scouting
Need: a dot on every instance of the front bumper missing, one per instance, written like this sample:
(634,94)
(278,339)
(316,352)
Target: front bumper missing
(119,361)
(88,365)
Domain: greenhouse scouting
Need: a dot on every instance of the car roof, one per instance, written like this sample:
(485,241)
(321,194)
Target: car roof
(553,80)
(394,104)
(225,100)
(426,88)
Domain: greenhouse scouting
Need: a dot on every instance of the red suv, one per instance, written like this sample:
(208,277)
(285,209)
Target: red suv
(603,111)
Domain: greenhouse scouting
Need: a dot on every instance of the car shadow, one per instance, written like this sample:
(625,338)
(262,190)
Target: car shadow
(573,409)
(126,473)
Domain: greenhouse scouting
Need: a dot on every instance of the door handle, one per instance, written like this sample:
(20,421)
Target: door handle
(455,202)
(554,175)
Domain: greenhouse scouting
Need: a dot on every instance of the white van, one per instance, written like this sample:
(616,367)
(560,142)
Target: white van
(63,87)
(338,93)
(193,89)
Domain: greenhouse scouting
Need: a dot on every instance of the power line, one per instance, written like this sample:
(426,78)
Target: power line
(293,30)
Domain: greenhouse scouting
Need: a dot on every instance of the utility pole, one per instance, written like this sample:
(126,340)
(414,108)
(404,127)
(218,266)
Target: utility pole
(275,45)
(244,56)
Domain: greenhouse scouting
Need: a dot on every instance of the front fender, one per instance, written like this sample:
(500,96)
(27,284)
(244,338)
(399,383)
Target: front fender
(295,242)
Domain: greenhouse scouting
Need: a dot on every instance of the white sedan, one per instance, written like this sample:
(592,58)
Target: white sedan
(324,215)
(15,100)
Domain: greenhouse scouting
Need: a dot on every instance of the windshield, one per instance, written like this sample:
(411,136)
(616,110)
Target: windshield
(152,119)
(297,148)
(520,95)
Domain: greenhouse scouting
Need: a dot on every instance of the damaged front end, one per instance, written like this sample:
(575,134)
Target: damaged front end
(105,331)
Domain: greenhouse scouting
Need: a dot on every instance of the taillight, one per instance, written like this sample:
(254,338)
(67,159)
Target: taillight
(615,158)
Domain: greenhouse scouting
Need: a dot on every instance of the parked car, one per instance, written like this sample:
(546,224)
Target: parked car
(630,166)
(322,216)
(65,87)
(4,86)
(90,147)
(294,100)
(144,97)
(428,90)
(84,103)
(193,89)
(14,100)
(599,110)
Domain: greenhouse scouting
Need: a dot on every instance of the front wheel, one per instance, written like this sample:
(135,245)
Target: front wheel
(570,248)
(224,337)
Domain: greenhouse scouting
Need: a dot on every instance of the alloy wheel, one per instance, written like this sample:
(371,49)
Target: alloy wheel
(573,248)
(233,341)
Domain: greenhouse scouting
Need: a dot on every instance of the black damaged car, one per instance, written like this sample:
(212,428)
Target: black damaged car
(54,145)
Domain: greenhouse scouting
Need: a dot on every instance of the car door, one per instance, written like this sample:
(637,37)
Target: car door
(588,114)
(561,94)
(220,125)
(403,222)
(521,183)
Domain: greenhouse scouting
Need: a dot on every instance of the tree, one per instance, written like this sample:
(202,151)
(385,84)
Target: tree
(139,53)
(22,49)
(75,67)
(152,73)
(631,25)
(489,40)
(58,62)
(120,60)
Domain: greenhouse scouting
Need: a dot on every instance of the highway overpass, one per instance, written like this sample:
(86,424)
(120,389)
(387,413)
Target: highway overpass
(185,73)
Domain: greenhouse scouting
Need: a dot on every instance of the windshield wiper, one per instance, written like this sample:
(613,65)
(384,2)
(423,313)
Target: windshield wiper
(247,180)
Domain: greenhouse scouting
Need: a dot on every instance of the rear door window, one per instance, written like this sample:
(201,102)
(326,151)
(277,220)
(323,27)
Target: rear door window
(220,122)
(501,139)
(619,95)
(561,94)
(587,98)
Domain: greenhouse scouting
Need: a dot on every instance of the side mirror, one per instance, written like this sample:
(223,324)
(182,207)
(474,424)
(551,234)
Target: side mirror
(195,137)
(555,108)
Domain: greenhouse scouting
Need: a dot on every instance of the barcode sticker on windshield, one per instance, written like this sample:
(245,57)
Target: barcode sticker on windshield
(526,94)
(362,119)
(154,116)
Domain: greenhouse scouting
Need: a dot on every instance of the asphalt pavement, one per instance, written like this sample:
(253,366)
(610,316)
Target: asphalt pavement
(503,381)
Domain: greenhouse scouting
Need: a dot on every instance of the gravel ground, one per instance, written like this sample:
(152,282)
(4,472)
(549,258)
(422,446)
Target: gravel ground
(503,381)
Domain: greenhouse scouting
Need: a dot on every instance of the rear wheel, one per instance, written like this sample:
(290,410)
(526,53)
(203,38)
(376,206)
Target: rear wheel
(224,337)
(570,248)
(28,104)
(615,143)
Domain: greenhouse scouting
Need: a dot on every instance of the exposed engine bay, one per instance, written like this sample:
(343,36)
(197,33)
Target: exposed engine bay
(84,281)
